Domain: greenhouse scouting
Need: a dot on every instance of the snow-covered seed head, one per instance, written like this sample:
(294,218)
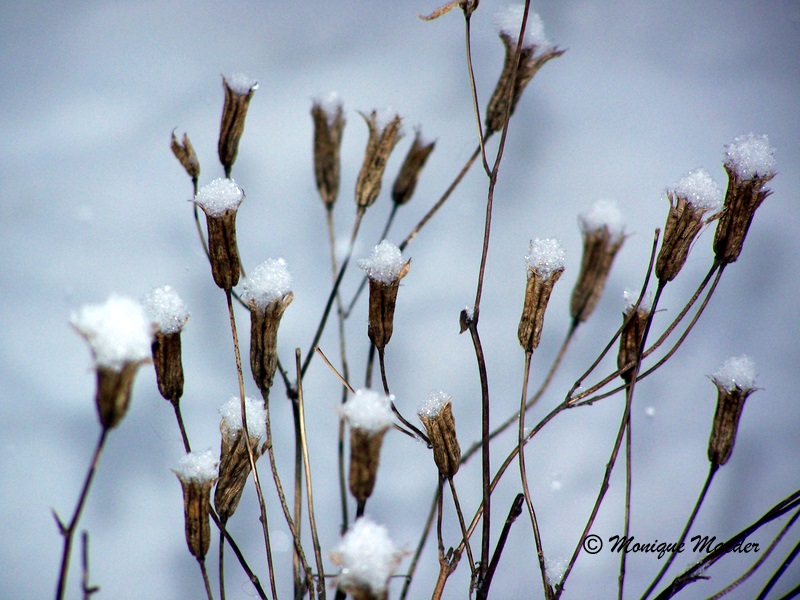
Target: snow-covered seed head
(516,76)
(384,133)
(369,415)
(750,163)
(231,413)
(385,264)
(329,122)
(268,282)
(412,166)
(239,90)
(186,155)
(630,340)
(603,235)
(197,472)
(385,268)
(545,264)
(690,199)
(735,381)
(220,200)
(168,313)
(436,414)
(367,557)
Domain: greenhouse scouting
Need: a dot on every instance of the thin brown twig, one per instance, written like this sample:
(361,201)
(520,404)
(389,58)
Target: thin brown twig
(206,582)
(86,587)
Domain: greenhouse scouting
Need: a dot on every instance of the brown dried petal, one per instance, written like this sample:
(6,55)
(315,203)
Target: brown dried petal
(234,112)
(630,342)
(186,155)
(234,469)
(726,423)
(328,130)
(365,456)
(537,295)
(684,222)
(409,173)
(264,341)
(114,393)
(166,350)
(442,434)
(380,144)
(196,507)
(599,249)
(223,251)
(382,302)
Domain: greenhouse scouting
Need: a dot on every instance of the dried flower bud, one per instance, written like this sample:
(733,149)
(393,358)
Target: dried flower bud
(750,163)
(602,238)
(367,558)
(168,314)
(119,335)
(234,465)
(516,74)
(630,340)
(197,472)
(383,136)
(239,90)
(545,264)
(329,124)
(735,381)
(385,268)
(690,199)
(369,415)
(220,201)
(436,414)
(186,155)
(268,293)
(412,166)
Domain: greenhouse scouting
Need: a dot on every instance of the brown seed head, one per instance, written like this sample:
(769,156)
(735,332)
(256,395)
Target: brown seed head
(234,469)
(381,142)
(264,325)
(220,201)
(114,393)
(436,415)
(166,351)
(415,160)
(329,124)
(365,456)
(545,264)
(197,473)
(186,155)
(239,91)
(630,340)
(735,382)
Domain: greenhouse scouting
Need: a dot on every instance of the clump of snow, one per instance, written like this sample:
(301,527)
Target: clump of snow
(166,309)
(508,21)
(118,331)
(433,404)
(384,264)
(331,103)
(241,84)
(197,467)
(602,214)
(737,372)
(750,156)
(554,569)
(631,295)
(699,189)
(231,413)
(367,557)
(220,196)
(268,282)
(469,309)
(368,411)
(545,257)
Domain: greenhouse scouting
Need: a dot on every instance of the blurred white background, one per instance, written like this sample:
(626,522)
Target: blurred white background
(94,202)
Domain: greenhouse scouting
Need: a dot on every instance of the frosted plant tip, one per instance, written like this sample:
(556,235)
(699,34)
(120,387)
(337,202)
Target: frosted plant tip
(197,467)
(240,84)
(231,413)
(368,411)
(384,264)
(545,257)
(220,196)
(737,372)
(367,557)
(433,404)
(268,282)
(554,569)
(602,214)
(509,20)
(699,189)
(118,331)
(750,156)
(631,295)
(166,309)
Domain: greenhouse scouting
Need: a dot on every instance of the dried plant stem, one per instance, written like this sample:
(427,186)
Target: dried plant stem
(513,514)
(176,404)
(309,489)
(760,561)
(439,541)
(474,91)
(238,553)
(463,526)
(86,587)
(523,473)
(711,472)
(412,567)
(417,431)
(779,572)
(221,561)
(206,582)
(68,531)
(627,522)
(246,436)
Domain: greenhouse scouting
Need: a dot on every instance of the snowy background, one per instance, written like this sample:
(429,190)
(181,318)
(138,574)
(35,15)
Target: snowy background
(94,202)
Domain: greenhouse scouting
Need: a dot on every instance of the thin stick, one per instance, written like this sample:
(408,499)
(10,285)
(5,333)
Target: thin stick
(88,590)
(412,567)
(69,531)
(335,372)
(309,489)
(780,571)
(513,513)
(261,504)
(395,410)
(460,515)
(206,582)
(176,404)
(627,524)
(221,566)
(239,556)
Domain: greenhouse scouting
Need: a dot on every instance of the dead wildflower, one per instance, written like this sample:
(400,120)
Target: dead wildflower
(383,136)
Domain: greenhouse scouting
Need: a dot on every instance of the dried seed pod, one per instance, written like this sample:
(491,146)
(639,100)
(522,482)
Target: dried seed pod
(114,393)
(735,382)
(436,414)
(197,473)
(545,264)
(407,178)
(329,124)
(385,268)
(168,314)
(750,164)
(630,340)
(185,153)
(220,201)
(602,238)
(382,139)
(238,92)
